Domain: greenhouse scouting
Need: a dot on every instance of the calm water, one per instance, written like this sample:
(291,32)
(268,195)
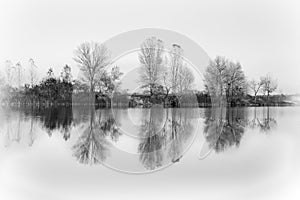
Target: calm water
(237,151)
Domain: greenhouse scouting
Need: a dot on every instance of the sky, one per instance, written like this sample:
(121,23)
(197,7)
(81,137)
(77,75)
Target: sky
(263,35)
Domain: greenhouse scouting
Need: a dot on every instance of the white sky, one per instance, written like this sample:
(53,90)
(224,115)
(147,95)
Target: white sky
(263,35)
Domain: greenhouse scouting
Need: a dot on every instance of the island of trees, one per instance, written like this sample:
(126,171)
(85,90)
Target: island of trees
(164,78)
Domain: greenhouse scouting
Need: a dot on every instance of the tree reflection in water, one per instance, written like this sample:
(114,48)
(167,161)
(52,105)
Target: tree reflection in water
(228,131)
(265,123)
(153,137)
(164,133)
(18,126)
(181,130)
(92,147)
(223,132)
(54,118)
(164,141)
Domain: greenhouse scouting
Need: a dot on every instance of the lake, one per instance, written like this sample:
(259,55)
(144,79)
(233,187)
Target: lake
(236,151)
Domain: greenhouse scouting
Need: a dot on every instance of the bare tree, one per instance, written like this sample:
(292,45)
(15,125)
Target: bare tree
(110,82)
(214,76)
(32,72)
(269,85)
(19,71)
(235,81)
(225,78)
(255,86)
(92,58)
(176,63)
(151,58)
(9,75)
(177,77)
(185,79)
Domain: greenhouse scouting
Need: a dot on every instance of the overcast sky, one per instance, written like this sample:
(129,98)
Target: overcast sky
(263,35)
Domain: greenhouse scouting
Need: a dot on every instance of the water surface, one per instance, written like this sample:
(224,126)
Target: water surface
(240,152)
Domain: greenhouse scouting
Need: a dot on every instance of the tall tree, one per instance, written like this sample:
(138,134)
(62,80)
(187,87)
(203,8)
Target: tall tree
(214,76)
(92,58)
(19,71)
(151,58)
(109,82)
(176,64)
(225,78)
(32,72)
(269,85)
(66,74)
(66,83)
(255,86)
(178,78)
(235,81)
(9,72)
(185,79)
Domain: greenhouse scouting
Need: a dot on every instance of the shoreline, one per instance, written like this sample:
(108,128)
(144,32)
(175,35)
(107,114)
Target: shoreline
(103,106)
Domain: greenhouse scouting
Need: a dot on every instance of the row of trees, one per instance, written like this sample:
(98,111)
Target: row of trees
(163,68)
(266,85)
(164,73)
(16,75)
(93,60)
(226,78)
(95,78)
(51,88)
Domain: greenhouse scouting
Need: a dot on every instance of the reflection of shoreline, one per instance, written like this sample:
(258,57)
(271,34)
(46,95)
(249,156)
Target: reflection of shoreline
(264,123)
(227,132)
(166,145)
(163,134)
(223,132)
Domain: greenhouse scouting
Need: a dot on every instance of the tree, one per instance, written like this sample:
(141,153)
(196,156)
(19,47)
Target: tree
(32,72)
(235,82)
(9,72)
(214,76)
(255,86)
(49,87)
(19,70)
(176,64)
(66,75)
(179,77)
(115,75)
(66,83)
(269,85)
(50,73)
(92,58)
(225,78)
(109,82)
(151,58)
(185,79)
